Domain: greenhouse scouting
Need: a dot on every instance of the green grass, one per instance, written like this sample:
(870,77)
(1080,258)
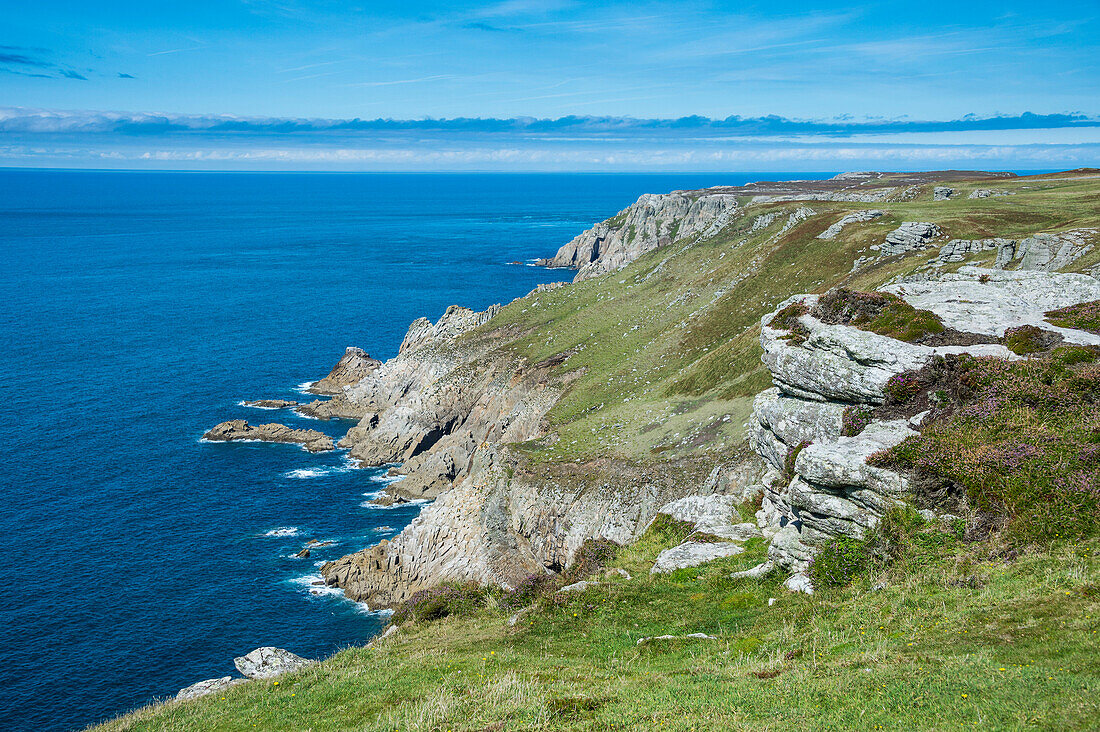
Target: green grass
(956,636)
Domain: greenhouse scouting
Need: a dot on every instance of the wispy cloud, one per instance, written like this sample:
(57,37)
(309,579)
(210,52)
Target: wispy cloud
(434,77)
(36,63)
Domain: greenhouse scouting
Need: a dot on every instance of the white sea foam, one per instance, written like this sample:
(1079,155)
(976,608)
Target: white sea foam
(386,479)
(317,472)
(322,590)
(413,502)
(304,386)
(256,406)
(303,473)
(282,531)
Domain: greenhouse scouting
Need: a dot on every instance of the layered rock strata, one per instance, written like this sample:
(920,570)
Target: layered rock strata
(819,485)
(1046,252)
(853,218)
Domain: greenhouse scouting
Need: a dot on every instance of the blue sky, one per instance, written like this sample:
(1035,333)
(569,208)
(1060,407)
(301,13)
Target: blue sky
(275,85)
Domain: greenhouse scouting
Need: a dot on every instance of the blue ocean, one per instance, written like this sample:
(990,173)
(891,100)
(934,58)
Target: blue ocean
(139,309)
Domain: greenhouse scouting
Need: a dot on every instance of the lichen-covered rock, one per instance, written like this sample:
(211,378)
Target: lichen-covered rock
(269,662)
(989,301)
(909,236)
(711,514)
(942,193)
(209,686)
(829,490)
(853,218)
(692,554)
(238,430)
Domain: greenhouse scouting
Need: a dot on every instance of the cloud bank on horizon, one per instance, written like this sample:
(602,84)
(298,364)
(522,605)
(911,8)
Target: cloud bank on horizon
(550,85)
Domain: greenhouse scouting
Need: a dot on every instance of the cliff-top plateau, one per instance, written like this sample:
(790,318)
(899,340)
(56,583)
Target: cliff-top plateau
(811,454)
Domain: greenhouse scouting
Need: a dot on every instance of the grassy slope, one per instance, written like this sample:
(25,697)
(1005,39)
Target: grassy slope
(954,639)
(669,361)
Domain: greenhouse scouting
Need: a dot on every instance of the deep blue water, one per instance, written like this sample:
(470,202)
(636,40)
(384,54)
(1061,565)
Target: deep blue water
(136,310)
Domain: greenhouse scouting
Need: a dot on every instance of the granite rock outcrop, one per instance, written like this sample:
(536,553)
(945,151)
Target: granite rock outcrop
(818,484)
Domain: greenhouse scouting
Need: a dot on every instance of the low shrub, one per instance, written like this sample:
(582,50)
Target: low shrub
(440,601)
(1084,316)
(788,319)
(594,555)
(877,312)
(1028,339)
(902,387)
(855,420)
(1021,446)
(839,561)
(1072,354)
(531,588)
(792,456)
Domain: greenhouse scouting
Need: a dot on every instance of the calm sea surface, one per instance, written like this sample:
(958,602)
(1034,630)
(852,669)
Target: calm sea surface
(136,311)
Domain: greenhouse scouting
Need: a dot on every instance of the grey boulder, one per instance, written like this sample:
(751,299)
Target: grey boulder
(210,686)
(269,662)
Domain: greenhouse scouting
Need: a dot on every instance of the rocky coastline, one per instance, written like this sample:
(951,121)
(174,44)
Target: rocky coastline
(455,402)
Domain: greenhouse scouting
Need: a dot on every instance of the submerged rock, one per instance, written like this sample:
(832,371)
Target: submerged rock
(269,662)
(239,430)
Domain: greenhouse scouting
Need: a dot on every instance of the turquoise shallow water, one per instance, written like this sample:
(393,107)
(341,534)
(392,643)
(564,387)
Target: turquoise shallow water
(136,311)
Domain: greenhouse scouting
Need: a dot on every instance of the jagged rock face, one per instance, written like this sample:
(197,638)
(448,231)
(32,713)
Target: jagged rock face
(240,430)
(441,397)
(502,523)
(942,193)
(350,369)
(831,490)
(455,321)
(654,220)
(853,218)
(910,235)
(426,392)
